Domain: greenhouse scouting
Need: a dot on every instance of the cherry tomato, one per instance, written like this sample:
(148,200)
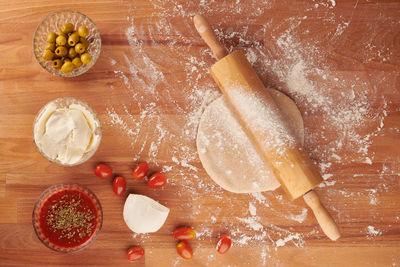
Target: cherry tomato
(103,171)
(157,180)
(135,253)
(183,248)
(223,244)
(184,233)
(140,171)
(119,186)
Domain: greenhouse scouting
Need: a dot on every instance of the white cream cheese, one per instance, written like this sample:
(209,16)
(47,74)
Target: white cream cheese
(143,214)
(66,134)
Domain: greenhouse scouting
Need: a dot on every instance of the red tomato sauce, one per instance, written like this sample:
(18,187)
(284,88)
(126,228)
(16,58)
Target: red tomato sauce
(68,218)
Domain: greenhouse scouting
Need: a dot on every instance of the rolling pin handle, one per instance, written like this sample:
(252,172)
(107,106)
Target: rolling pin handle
(325,220)
(208,35)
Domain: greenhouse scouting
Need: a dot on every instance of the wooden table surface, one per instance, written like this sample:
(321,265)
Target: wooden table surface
(339,60)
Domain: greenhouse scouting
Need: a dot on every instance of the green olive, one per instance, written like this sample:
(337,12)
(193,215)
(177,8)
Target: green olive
(51,46)
(72,53)
(83,31)
(61,51)
(48,55)
(61,40)
(86,58)
(73,39)
(67,67)
(77,62)
(51,37)
(57,63)
(84,42)
(67,60)
(67,27)
(79,48)
(61,33)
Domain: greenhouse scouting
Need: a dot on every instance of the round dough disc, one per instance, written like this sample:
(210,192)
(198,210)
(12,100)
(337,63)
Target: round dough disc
(228,155)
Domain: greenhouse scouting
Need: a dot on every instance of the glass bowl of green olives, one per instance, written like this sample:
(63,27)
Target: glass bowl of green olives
(67,43)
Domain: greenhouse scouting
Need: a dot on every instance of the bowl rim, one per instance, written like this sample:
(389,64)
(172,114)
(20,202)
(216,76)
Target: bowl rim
(96,231)
(61,74)
(90,109)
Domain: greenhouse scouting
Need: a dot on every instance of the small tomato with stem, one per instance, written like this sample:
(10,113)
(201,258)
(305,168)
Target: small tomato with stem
(135,253)
(157,180)
(184,250)
(103,171)
(140,171)
(119,186)
(223,244)
(184,233)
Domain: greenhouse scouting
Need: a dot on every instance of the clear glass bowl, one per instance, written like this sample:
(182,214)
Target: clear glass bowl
(65,102)
(53,23)
(42,200)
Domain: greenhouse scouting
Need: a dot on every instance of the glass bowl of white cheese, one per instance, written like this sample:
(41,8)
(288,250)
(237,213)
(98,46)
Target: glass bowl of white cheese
(67,131)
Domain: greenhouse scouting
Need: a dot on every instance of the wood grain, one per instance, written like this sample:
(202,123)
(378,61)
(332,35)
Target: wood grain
(368,47)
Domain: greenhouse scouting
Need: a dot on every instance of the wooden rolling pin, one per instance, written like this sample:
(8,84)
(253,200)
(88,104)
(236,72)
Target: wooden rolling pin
(290,163)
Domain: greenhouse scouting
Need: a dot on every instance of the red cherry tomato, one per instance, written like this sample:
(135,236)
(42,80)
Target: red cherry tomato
(135,253)
(184,233)
(140,171)
(119,186)
(103,171)
(157,180)
(223,244)
(184,250)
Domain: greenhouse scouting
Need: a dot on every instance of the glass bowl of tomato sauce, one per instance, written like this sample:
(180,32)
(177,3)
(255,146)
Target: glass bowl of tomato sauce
(67,217)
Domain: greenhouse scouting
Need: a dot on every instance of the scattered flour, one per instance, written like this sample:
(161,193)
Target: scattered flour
(372,232)
(282,242)
(372,195)
(252,209)
(264,256)
(295,67)
(252,223)
(204,233)
(300,217)
(326,176)
(259,197)
(263,118)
